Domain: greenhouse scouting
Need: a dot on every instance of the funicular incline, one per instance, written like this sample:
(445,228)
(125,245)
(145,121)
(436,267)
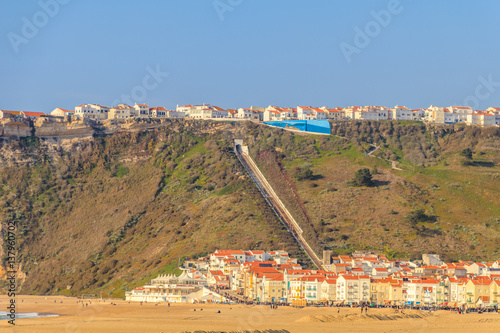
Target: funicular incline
(274,201)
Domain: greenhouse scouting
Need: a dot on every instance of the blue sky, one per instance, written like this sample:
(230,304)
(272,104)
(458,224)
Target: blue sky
(237,53)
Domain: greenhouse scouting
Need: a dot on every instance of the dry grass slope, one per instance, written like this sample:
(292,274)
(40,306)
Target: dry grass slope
(111,214)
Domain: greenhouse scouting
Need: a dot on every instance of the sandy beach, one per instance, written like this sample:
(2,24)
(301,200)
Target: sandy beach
(102,316)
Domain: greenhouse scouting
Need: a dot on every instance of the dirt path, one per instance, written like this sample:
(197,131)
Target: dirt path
(393,163)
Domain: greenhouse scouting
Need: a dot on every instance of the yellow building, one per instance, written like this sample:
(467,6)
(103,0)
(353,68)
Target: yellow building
(274,289)
(477,292)
(495,292)
(386,290)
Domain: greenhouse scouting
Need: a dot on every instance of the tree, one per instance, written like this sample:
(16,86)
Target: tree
(362,177)
(303,172)
(417,216)
(467,153)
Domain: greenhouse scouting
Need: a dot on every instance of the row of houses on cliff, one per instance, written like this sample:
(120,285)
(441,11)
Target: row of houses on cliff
(433,114)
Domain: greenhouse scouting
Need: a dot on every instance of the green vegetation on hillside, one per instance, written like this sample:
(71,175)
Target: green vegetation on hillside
(108,215)
(434,204)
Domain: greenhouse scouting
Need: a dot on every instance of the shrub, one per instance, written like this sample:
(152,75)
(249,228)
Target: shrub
(362,177)
(121,171)
(303,172)
(417,216)
(467,153)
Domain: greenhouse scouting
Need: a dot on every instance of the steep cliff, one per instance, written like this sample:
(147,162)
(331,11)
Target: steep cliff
(103,215)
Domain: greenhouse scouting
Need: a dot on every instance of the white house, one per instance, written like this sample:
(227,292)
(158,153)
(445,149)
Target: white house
(477,269)
(422,291)
(185,108)
(92,111)
(383,112)
(169,288)
(278,113)
(205,111)
(431,259)
(460,112)
(141,110)
(367,113)
(440,115)
(401,113)
(305,113)
(481,119)
(353,289)
(157,112)
(329,289)
(59,112)
(418,114)
(456,289)
(349,113)
(245,114)
(306,287)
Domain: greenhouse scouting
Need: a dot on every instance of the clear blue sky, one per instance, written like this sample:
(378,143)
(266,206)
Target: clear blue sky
(251,52)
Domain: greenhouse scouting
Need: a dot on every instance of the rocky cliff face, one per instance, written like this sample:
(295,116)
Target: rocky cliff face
(55,130)
(13,130)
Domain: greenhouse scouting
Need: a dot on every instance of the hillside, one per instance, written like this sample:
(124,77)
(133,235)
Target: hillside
(107,215)
(437,203)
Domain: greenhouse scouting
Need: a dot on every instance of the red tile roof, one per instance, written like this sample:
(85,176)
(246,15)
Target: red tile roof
(33,114)
(15,113)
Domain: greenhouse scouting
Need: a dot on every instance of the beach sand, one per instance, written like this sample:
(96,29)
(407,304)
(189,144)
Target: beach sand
(132,317)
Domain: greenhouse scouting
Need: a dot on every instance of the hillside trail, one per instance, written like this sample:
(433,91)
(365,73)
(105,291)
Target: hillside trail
(393,163)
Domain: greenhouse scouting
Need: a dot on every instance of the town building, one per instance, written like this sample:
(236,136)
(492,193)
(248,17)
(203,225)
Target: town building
(481,119)
(59,112)
(121,111)
(92,111)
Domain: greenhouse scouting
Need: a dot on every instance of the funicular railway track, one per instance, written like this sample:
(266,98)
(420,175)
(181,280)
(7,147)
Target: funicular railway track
(275,202)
